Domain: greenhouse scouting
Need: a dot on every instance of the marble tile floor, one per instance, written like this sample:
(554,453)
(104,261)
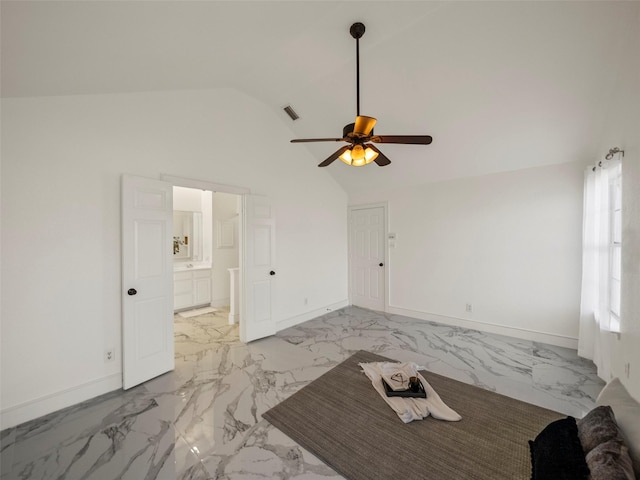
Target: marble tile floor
(203,420)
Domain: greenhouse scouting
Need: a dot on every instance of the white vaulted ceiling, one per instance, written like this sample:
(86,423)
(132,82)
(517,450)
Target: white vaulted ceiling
(499,85)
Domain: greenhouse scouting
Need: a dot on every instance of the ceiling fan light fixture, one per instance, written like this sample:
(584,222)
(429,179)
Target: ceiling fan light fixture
(370,154)
(358,156)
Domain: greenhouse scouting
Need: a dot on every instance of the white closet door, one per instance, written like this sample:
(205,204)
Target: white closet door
(256,316)
(366,258)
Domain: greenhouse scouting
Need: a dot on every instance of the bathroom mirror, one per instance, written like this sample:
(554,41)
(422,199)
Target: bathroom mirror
(187,236)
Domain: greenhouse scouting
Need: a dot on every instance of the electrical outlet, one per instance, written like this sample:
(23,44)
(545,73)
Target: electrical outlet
(306,301)
(109,355)
(469,307)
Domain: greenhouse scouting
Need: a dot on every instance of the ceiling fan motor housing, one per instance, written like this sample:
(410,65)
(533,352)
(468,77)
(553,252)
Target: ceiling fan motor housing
(348,132)
(347,129)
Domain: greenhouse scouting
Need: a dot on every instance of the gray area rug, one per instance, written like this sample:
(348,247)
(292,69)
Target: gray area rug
(342,420)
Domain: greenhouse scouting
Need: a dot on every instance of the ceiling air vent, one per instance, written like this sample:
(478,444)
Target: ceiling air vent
(291,112)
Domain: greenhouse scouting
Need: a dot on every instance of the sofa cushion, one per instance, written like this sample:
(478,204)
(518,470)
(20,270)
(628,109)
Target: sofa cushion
(597,427)
(627,413)
(610,461)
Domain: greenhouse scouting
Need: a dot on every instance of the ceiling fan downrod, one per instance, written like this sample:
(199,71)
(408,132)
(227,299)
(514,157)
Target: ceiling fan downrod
(357,31)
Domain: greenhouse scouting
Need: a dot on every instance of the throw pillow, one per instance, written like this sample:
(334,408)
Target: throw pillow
(556,453)
(610,461)
(627,412)
(597,427)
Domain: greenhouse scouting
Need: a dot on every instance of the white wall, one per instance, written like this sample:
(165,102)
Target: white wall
(187,199)
(622,129)
(225,208)
(62,160)
(508,244)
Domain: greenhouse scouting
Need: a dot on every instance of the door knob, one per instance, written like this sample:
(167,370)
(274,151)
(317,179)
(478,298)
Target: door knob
(132,291)
(272,272)
(381,264)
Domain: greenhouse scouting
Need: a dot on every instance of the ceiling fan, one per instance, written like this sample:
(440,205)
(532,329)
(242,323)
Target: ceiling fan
(358,135)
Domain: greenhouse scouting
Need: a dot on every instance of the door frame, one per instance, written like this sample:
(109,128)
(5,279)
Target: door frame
(221,188)
(203,185)
(385,234)
(245,194)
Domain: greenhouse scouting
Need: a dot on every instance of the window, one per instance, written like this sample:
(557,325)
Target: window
(601,262)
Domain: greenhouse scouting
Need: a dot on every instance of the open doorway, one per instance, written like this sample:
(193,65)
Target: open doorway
(206,260)
(148,322)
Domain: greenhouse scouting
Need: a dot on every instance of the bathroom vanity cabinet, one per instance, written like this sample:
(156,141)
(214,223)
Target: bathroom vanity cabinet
(191,288)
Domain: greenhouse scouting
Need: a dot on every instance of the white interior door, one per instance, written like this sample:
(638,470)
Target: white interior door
(367,258)
(257,266)
(147,279)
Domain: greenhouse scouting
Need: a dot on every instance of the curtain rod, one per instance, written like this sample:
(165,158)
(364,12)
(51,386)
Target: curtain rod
(609,156)
(612,152)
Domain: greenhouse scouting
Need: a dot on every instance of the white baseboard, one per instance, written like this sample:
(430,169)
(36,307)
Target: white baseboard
(221,302)
(298,319)
(17,414)
(23,412)
(525,334)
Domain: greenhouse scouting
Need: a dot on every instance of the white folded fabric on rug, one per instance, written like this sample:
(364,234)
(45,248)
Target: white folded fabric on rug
(407,408)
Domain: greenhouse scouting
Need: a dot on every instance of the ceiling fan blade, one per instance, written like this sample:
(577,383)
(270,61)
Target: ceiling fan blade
(334,156)
(364,125)
(406,139)
(381,159)
(301,140)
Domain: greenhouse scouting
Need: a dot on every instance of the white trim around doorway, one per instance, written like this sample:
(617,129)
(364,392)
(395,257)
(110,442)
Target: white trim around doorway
(203,185)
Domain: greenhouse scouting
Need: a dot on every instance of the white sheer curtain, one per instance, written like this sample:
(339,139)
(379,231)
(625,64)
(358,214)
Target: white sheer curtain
(595,339)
